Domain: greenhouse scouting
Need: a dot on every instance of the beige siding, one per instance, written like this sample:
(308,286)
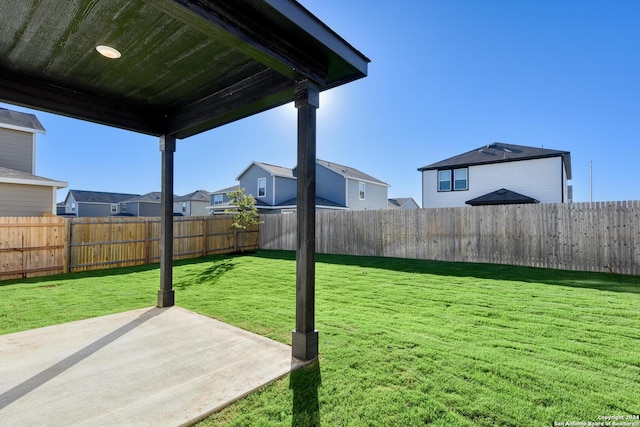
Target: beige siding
(16,150)
(25,200)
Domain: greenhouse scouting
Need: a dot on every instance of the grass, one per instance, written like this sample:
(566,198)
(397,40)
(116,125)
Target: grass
(402,342)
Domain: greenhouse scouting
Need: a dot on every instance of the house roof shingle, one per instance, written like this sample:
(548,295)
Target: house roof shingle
(273,170)
(226,190)
(22,121)
(12,176)
(153,197)
(501,197)
(195,196)
(349,172)
(499,152)
(82,196)
(399,202)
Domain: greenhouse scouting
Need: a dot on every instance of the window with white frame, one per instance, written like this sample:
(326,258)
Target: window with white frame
(73,207)
(361,190)
(217,199)
(453,179)
(262,187)
(184,206)
(114,208)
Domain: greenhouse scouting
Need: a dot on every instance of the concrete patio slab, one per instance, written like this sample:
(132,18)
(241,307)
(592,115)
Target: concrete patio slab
(146,367)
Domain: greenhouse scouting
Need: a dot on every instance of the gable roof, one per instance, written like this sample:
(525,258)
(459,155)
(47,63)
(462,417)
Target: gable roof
(349,172)
(195,196)
(82,196)
(399,202)
(499,152)
(226,190)
(501,197)
(272,170)
(153,197)
(12,176)
(20,121)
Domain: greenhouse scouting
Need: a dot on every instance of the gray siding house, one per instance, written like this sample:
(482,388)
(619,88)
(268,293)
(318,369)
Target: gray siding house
(22,193)
(338,187)
(219,201)
(95,203)
(192,204)
(145,205)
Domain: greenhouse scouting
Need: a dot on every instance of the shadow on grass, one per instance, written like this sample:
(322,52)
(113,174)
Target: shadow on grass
(210,275)
(304,382)
(578,279)
(111,271)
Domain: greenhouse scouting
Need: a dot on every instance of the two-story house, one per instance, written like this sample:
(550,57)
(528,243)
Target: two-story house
(338,187)
(498,173)
(22,193)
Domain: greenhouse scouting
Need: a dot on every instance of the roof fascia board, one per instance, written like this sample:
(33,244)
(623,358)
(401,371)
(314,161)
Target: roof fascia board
(312,25)
(381,184)
(492,162)
(41,183)
(22,128)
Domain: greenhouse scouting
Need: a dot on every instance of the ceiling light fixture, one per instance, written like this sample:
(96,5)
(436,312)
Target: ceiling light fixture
(108,51)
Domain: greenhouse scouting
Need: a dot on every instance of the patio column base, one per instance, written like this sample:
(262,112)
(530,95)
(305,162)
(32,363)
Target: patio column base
(166,298)
(304,346)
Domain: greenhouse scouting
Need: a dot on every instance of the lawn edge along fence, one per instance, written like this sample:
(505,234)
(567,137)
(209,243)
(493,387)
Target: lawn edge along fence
(591,236)
(39,246)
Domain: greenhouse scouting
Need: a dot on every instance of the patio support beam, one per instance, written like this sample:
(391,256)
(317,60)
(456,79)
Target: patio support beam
(166,297)
(305,337)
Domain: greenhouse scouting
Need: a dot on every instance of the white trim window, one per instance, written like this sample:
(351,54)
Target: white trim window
(262,187)
(73,207)
(362,187)
(218,199)
(184,206)
(114,208)
(453,179)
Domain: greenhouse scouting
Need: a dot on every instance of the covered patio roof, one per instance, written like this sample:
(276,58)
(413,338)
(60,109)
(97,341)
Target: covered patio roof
(185,67)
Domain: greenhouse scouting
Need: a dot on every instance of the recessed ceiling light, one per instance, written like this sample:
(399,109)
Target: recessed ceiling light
(108,52)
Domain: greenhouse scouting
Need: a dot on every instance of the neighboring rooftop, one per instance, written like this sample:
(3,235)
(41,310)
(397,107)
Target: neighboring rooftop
(274,170)
(82,196)
(227,190)
(499,152)
(349,172)
(399,202)
(12,176)
(153,197)
(20,121)
(501,197)
(196,196)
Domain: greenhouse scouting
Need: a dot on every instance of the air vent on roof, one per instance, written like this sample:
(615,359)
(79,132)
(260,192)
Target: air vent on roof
(491,145)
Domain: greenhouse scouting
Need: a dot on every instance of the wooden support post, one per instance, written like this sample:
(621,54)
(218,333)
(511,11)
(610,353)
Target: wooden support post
(305,337)
(166,297)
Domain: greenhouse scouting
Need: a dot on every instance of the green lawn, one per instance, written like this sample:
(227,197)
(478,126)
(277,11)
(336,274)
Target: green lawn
(402,342)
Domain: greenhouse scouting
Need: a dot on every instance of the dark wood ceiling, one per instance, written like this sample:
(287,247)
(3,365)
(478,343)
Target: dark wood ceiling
(186,66)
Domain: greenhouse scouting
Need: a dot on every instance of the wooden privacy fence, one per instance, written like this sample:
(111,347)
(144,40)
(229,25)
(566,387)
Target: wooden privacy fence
(49,245)
(601,236)
(32,246)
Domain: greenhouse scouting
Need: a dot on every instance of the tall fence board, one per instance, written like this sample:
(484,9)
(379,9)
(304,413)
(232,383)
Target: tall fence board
(38,246)
(31,246)
(600,236)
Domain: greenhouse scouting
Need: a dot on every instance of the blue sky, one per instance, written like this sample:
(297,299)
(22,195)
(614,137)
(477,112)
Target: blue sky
(446,77)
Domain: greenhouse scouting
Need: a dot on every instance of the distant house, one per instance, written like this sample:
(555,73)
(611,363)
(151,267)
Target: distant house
(192,204)
(402,203)
(219,201)
(338,187)
(498,173)
(95,203)
(144,205)
(22,193)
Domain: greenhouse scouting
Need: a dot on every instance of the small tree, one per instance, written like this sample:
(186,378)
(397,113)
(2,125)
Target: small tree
(244,214)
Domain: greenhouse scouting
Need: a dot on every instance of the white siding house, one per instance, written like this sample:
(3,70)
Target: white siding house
(520,174)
